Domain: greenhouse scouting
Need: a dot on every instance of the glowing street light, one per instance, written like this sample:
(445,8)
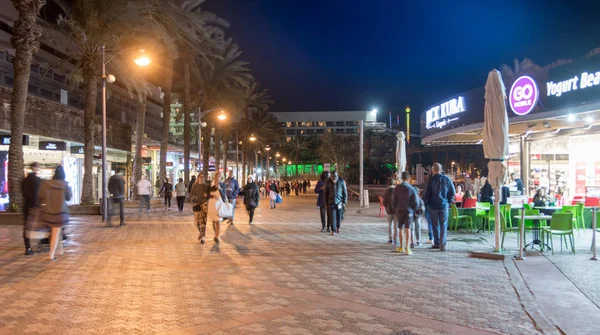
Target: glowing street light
(222,116)
(143,59)
(277,155)
(252,138)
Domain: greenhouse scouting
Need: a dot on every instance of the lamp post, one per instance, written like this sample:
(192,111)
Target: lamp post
(267,149)
(252,138)
(201,114)
(453,163)
(142,60)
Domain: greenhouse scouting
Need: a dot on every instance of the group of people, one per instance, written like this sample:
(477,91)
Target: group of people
(45,209)
(331,200)
(406,208)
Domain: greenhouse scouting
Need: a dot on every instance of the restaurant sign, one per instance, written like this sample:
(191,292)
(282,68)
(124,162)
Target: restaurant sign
(575,83)
(53,145)
(445,113)
(524,95)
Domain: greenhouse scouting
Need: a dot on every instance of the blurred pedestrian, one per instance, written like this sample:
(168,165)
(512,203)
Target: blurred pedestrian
(232,189)
(116,187)
(405,203)
(336,197)
(388,203)
(30,189)
(251,197)
(144,191)
(167,188)
(199,197)
(320,189)
(273,192)
(180,193)
(216,191)
(439,194)
(54,212)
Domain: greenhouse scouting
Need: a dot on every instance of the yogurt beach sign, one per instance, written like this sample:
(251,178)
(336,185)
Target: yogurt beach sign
(524,95)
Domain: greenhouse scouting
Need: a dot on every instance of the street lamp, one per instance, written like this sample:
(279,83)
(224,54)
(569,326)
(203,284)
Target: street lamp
(201,124)
(277,155)
(361,130)
(252,138)
(142,60)
(267,169)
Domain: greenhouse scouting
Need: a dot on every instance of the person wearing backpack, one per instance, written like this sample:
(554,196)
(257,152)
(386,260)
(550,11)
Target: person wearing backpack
(168,189)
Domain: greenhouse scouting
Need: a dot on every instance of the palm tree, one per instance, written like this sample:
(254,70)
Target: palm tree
(296,146)
(25,40)
(524,67)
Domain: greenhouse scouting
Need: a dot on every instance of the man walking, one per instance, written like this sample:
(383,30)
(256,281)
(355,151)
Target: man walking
(406,203)
(319,189)
(391,213)
(116,186)
(232,189)
(439,194)
(335,197)
(144,190)
(30,190)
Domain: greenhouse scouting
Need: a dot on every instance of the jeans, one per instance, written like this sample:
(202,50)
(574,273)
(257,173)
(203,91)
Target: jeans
(112,209)
(325,218)
(251,214)
(180,203)
(429,224)
(168,201)
(392,227)
(439,218)
(336,217)
(233,202)
(417,228)
(145,199)
(272,203)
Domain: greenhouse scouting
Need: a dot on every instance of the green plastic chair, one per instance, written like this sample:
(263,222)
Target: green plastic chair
(457,217)
(481,213)
(491,218)
(508,214)
(506,228)
(597,228)
(573,210)
(529,225)
(580,220)
(561,225)
(527,206)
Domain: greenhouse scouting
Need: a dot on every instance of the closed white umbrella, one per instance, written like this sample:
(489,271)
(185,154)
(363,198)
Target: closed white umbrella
(401,152)
(495,138)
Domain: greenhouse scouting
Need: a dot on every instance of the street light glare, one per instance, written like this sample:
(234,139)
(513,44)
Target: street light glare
(222,116)
(277,154)
(252,138)
(374,111)
(142,60)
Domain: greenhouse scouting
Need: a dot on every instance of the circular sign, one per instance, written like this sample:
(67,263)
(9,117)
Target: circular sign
(524,95)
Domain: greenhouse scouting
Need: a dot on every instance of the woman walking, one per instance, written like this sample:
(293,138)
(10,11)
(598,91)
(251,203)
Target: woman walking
(251,197)
(199,195)
(54,211)
(168,188)
(180,191)
(273,191)
(217,190)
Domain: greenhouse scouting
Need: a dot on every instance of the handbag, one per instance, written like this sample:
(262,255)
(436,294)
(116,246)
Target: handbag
(224,209)
(278,199)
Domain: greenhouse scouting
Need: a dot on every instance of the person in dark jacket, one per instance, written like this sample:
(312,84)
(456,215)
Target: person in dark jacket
(251,197)
(54,211)
(199,196)
(504,194)
(518,182)
(168,189)
(336,197)
(439,194)
(406,203)
(319,189)
(391,212)
(30,189)
(232,189)
(116,187)
(273,192)
(486,194)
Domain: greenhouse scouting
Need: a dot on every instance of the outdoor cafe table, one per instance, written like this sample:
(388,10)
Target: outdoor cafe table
(536,229)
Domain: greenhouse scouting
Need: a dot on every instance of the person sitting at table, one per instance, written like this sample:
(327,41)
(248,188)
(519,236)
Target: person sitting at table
(540,199)
(504,194)
(486,194)
(459,194)
(467,195)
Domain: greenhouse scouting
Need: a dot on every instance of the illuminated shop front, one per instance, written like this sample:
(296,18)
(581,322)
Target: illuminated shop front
(554,127)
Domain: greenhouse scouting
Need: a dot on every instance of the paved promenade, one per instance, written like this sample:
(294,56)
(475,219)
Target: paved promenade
(282,276)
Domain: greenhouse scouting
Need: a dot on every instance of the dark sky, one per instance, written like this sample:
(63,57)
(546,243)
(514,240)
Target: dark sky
(359,54)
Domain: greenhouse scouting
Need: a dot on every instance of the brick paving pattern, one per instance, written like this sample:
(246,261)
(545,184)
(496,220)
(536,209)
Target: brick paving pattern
(279,276)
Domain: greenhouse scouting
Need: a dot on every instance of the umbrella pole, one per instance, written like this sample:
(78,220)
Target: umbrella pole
(498,222)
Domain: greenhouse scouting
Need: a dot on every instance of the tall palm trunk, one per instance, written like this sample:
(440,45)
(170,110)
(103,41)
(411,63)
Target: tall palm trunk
(89,114)
(139,142)
(243,165)
(187,105)
(164,143)
(26,43)
(225,140)
(217,150)
(205,153)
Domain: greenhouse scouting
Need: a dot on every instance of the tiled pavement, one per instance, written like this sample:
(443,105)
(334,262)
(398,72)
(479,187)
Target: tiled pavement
(279,276)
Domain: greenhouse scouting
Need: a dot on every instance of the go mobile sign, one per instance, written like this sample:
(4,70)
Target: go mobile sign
(524,95)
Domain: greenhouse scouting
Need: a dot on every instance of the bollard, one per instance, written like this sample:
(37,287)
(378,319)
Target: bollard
(594,223)
(522,233)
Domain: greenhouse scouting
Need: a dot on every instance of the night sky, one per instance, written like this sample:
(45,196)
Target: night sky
(357,54)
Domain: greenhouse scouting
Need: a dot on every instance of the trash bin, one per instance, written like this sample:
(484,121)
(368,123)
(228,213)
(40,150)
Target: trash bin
(366,198)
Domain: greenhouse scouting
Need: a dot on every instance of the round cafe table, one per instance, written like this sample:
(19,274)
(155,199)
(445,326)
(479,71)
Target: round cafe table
(536,229)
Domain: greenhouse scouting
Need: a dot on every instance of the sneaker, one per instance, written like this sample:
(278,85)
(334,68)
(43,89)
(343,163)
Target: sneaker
(412,245)
(435,246)
(442,248)
(217,242)
(430,242)
(329,230)
(202,240)
(250,223)
(390,241)
(122,224)
(409,251)
(29,252)
(400,249)
(168,209)
(419,243)
(231,222)
(323,230)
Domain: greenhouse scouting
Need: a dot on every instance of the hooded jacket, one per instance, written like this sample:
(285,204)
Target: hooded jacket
(439,193)
(319,189)
(54,195)
(335,192)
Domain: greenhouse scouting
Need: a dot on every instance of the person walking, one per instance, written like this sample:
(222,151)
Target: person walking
(180,193)
(216,190)
(144,191)
(304,186)
(168,189)
(54,212)
(191,184)
(416,229)
(251,197)
(199,196)
(116,187)
(388,203)
(320,189)
(232,189)
(30,188)
(336,197)
(273,192)
(439,194)
(406,202)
